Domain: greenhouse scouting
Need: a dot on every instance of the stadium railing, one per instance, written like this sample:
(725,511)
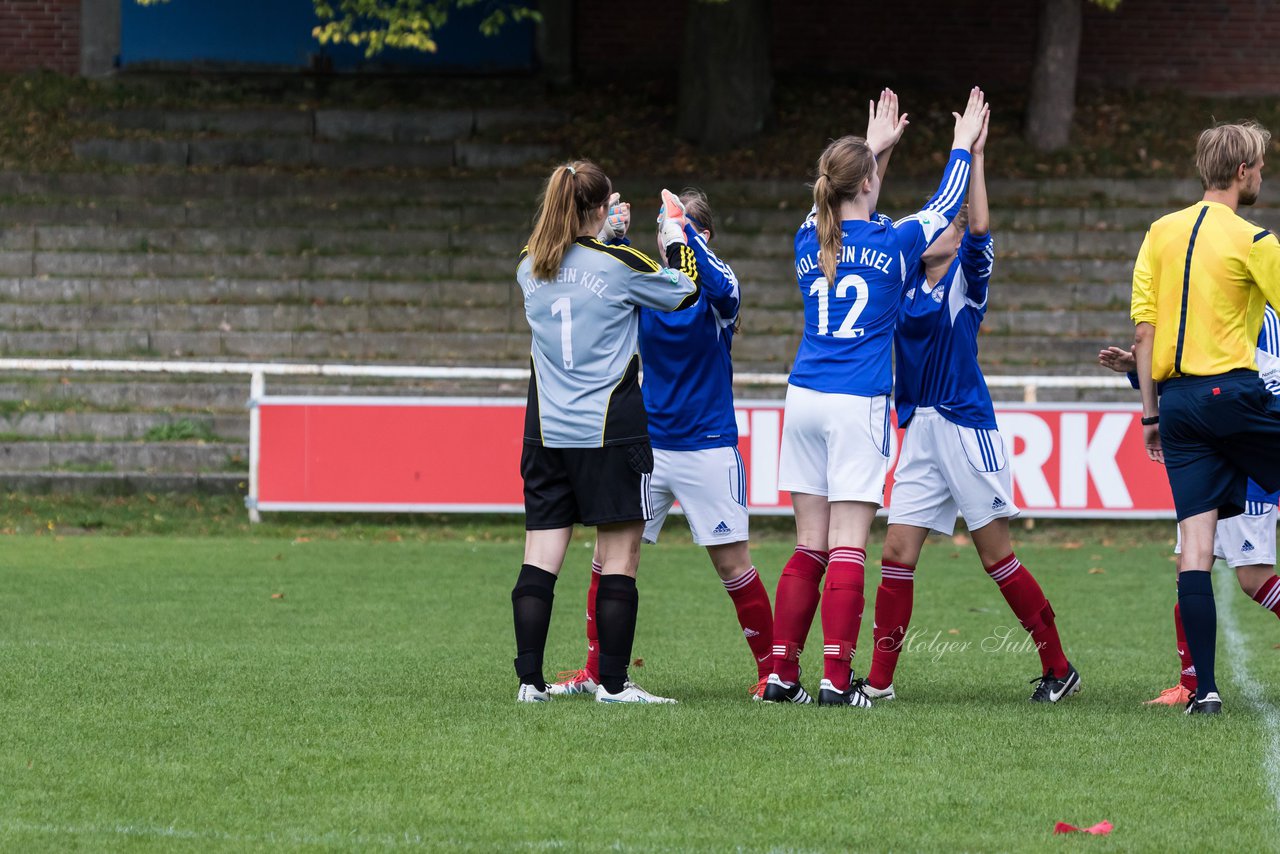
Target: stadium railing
(257,372)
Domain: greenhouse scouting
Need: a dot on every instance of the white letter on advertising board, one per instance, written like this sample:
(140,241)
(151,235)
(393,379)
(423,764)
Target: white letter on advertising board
(1081,458)
(1028,466)
(765,438)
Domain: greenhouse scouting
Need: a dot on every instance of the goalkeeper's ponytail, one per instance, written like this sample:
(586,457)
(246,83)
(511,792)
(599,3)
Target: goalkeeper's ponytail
(842,168)
(573,192)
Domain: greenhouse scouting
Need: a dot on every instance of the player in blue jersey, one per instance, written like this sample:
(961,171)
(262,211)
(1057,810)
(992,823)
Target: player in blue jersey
(953,457)
(688,394)
(851,264)
(1246,542)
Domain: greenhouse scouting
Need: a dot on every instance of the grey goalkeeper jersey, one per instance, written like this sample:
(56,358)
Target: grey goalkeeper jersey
(584,391)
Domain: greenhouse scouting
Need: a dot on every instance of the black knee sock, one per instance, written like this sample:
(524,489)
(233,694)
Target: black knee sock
(531,606)
(616,602)
(1200,621)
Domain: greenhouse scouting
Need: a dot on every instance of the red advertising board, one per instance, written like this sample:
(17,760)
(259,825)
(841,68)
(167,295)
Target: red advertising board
(463,454)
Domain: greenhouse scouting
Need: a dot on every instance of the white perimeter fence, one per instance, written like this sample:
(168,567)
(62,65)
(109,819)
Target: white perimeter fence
(257,372)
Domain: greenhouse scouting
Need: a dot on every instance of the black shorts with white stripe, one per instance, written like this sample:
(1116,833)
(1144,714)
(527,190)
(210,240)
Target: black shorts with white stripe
(588,486)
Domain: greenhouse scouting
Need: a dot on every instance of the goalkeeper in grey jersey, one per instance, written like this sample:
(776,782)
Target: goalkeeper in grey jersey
(586,456)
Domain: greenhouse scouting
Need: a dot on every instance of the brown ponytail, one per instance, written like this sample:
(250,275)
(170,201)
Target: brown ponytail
(573,192)
(842,168)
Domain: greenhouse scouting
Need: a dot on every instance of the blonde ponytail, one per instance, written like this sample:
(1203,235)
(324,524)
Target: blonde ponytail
(843,166)
(573,192)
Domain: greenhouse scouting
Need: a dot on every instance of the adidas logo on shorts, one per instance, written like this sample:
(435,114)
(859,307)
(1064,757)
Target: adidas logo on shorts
(751,633)
(1247,547)
(998,503)
(722,528)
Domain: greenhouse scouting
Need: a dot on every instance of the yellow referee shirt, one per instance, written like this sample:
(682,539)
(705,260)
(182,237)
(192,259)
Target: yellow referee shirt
(1201,279)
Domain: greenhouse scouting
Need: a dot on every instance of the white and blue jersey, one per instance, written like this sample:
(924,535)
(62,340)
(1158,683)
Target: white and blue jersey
(848,323)
(937,340)
(688,371)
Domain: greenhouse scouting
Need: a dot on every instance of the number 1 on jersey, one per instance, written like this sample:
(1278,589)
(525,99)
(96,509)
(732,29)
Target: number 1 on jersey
(563,309)
(820,289)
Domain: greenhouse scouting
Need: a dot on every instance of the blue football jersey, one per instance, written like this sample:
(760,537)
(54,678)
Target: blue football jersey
(936,344)
(688,371)
(848,323)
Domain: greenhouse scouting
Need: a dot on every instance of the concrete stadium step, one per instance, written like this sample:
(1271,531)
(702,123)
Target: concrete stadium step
(193,457)
(122,483)
(299,153)
(335,124)
(47,391)
(155,291)
(328,139)
(443,348)
(133,426)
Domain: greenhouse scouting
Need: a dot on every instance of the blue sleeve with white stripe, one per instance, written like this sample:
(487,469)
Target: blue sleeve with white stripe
(719,284)
(1269,337)
(977,256)
(917,231)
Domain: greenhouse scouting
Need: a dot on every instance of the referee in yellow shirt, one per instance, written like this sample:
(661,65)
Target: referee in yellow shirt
(1199,286)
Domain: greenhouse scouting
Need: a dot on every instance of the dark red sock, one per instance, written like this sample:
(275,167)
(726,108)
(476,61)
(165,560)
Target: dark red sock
(593,640)
(1268,595)
(755,616)
(1032,610)
(794,605)
(894,598)
(842,604)
(1188,677)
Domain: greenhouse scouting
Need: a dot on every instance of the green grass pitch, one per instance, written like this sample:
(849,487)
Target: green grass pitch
(154,696)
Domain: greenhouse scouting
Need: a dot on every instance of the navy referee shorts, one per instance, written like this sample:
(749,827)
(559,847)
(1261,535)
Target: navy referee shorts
(1218,432)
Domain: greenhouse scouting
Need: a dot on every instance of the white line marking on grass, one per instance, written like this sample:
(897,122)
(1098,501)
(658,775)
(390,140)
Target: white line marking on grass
(1239,652)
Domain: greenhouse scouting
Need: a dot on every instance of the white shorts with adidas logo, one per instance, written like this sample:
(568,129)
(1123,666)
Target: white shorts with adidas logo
(1245,540)
(945,469)
(711,488)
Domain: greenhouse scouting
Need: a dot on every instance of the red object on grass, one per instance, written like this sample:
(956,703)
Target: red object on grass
(1102,828)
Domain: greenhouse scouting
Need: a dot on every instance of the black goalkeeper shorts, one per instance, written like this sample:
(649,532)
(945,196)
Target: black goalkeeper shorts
(589,486)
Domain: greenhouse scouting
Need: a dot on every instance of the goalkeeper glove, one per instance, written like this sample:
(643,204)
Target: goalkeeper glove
(671,220)
(617,222)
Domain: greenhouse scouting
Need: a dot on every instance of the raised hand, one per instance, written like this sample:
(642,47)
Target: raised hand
(969,124)
(671,220)
(618,220)
(884,123)
(980,144)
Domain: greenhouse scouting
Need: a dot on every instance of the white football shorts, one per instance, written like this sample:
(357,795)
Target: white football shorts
(943,469)
(1245,540)
(711,488)
(836,445)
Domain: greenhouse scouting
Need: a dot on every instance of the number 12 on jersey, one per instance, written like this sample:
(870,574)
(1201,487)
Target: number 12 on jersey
(821,290)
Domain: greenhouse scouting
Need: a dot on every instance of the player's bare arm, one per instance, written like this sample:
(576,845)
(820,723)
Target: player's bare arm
(979,209)
(1143,339)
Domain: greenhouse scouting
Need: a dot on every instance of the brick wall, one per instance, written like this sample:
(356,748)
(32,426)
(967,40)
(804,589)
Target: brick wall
(40,34)
(1200,46)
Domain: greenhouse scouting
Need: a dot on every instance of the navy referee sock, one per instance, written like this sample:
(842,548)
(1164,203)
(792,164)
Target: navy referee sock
(1200,621)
